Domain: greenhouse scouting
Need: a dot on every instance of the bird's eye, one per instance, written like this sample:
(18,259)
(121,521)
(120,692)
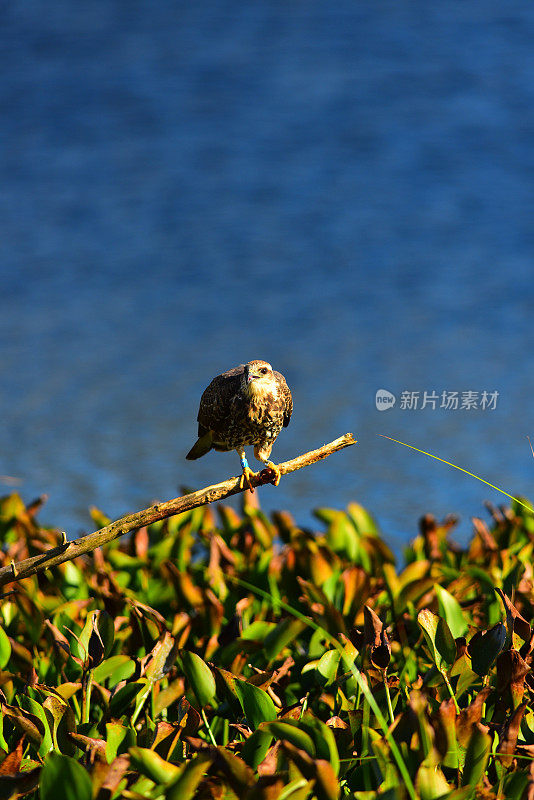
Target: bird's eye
(263,371)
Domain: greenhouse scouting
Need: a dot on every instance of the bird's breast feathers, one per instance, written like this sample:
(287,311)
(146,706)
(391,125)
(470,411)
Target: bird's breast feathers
(257,391)
(261,404)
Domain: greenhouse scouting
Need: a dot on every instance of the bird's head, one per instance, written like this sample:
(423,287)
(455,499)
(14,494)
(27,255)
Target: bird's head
(259,377)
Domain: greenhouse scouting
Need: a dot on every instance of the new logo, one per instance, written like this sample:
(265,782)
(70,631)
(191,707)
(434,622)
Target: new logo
(384,400)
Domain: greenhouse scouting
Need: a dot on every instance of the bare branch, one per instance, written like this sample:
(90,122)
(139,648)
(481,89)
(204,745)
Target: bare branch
(219,491)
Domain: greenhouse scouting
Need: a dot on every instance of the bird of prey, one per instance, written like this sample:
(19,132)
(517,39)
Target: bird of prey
(247,405)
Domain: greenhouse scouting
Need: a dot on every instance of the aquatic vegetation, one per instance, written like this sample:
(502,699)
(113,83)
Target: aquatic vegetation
(219,654)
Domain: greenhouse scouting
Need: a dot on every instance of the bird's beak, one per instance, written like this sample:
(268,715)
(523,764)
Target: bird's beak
(249,377)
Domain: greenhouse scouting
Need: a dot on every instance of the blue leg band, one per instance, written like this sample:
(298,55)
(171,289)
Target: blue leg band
(244,462)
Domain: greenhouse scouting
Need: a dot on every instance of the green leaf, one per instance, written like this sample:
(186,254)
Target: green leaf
(451,610)
(301,789)
(466,676)
(327,666)
(184,786)
(163,657)
(476,757)
(61,722)
(124,697)
(515,785)
(323,739)
(149,763)
(258,630)
(256,747)
(96,639)
(485,647)
(35,708)
(63,778)
(5,649)
(438,638)
(116,668)
(458,794)
(116,734)
(256,704)
(143,788)
(199,676)
(83,638)
(342,537)
(3,744)
(431,783)
(106,629)
(292,733)
(141,699)
(32,726)
(362,519)
(284,633)
(75,583)
(239,774)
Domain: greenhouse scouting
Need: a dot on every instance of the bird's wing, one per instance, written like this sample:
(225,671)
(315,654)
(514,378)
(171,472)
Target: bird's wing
(216,400)
(286,396)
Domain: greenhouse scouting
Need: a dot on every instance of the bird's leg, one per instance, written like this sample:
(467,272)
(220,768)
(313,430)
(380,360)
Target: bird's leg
(244,481)
(262,453)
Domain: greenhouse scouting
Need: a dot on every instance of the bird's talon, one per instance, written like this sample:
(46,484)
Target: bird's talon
(245,479)
(276,470)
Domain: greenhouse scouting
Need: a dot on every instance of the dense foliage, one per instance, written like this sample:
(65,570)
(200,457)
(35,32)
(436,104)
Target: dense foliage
(223,655)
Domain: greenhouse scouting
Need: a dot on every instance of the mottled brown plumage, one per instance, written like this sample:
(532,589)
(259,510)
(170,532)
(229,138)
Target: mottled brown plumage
(247,405)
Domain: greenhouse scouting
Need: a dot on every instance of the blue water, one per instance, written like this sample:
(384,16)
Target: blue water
(345,190)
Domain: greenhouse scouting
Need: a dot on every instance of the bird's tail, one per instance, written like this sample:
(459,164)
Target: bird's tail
(201,447)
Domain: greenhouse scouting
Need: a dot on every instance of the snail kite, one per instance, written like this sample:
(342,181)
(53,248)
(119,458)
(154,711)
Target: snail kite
(247,405)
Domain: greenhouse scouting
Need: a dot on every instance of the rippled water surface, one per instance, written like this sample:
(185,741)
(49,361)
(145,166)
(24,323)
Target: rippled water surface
(345,190)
